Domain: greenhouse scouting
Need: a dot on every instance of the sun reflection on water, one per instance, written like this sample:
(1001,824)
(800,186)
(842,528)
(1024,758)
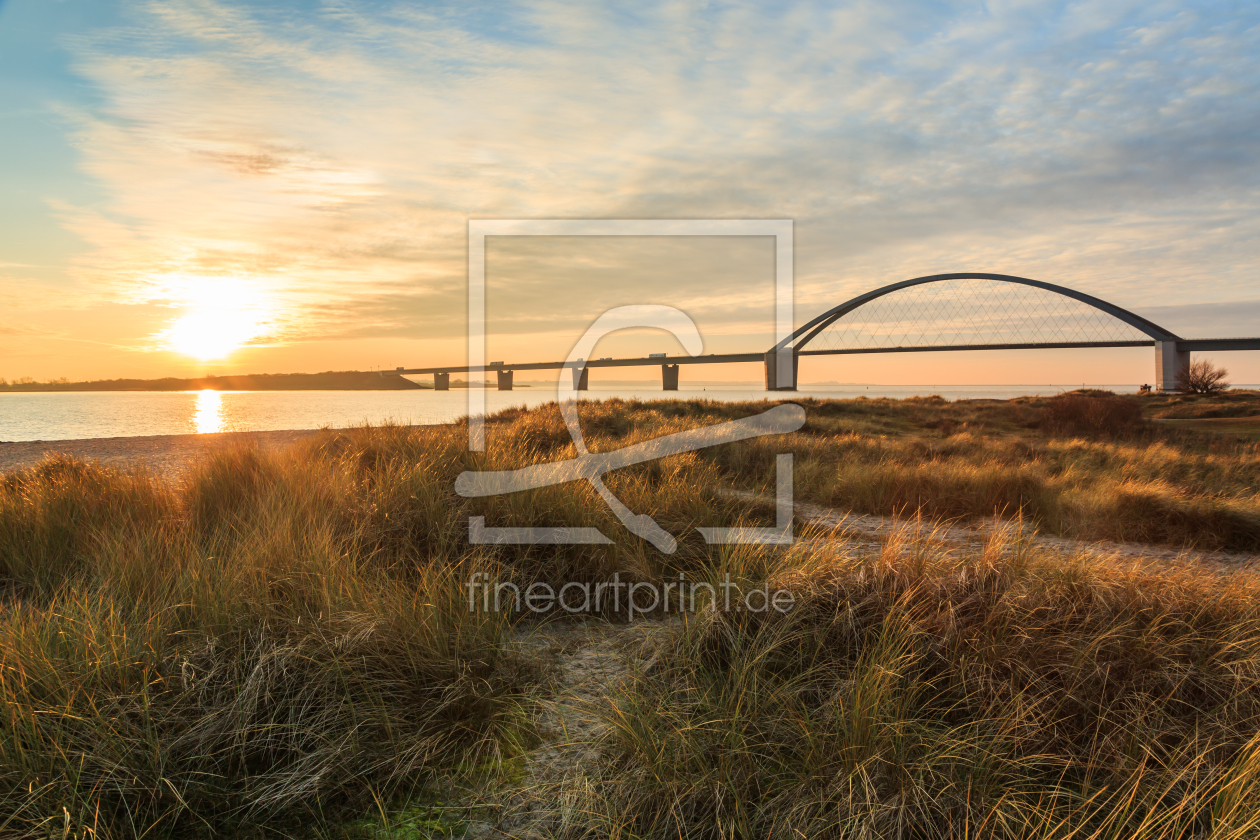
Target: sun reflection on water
(209,414)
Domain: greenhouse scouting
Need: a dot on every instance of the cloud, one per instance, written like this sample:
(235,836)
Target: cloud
(19,330)
(331,159)
(1234,318)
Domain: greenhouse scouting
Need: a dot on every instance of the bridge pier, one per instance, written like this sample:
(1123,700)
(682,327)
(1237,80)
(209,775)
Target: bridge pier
(1168,361)
(505,380)
(780,375)
(441,382)
(669,377)
(580,378)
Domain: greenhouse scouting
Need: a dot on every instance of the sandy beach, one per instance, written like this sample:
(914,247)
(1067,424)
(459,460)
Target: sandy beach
(167,455)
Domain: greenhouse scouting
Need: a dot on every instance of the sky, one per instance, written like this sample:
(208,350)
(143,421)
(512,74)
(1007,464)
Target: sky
(194,187)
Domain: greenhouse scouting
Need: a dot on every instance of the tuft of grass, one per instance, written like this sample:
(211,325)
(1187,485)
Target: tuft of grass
(237,654)
(55,515)
(920,694)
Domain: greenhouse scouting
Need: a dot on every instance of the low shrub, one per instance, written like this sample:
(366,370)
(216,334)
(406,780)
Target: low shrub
(1091,415)
(1202,377)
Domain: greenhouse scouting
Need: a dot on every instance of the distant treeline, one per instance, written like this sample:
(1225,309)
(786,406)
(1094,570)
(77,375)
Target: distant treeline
(342,380)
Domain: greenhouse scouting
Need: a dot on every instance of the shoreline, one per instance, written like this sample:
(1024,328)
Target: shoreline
(164,455)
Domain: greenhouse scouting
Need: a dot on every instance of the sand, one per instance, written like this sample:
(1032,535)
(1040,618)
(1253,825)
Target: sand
(169,456)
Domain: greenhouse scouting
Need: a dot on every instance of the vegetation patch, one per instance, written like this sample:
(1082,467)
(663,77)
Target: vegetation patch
(279,643)
(919,694)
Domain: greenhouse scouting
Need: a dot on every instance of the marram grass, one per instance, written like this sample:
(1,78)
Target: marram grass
(919,694)
(278,643)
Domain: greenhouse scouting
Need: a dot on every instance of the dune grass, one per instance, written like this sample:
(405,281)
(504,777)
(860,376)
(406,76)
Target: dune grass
(229,655)
(919,694)
(280,643)
(280,638)
(1144,483)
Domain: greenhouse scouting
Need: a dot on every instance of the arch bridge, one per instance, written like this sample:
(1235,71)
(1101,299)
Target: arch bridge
(936,313)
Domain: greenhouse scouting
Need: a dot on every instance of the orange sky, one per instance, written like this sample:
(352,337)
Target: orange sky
(216,187)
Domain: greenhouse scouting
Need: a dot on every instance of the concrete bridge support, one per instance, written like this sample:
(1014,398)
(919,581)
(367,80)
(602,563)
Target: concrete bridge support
(505,380)
(441,382)
(580,378)
(781,370)
(669,377)
(1168,361)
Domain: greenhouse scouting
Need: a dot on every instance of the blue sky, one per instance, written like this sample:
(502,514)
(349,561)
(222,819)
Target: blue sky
(297,177)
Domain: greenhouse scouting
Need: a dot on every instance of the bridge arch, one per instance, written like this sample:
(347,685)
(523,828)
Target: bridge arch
(801,337)
(1114,326)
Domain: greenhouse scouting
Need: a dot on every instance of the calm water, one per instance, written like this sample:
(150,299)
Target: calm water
(71,416)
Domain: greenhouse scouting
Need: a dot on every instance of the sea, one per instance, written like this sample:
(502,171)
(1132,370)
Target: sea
(104,414)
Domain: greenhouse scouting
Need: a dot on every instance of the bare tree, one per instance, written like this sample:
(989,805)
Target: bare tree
(1202,377)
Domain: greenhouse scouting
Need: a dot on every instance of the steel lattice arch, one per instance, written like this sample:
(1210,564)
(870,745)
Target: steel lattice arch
(971,311)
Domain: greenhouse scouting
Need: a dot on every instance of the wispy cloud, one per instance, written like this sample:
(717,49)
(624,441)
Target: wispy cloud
(331,160)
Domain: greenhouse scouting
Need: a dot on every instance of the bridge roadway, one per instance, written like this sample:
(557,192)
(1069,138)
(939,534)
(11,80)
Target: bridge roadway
(669,364)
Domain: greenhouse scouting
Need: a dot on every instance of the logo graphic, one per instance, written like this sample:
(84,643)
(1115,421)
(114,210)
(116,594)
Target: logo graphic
(592,466)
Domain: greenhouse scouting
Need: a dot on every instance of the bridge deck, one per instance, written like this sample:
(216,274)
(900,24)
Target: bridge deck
(1185,344)
(712,358)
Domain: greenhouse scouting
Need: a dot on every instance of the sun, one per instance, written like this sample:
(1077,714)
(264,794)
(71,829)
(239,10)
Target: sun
(212,333)
(220,315)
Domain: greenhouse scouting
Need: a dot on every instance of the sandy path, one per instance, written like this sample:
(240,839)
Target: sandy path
(592,660)
(165,455)
(868,532)
(874,530)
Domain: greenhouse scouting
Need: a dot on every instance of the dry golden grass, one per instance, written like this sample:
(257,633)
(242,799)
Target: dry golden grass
(920,694)
(226,657)
(282,642)
(1233,403)
(976,459)
(284,637)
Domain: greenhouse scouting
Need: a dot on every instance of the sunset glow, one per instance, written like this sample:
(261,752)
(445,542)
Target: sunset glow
(311,213)
(211,335)
(220,315)
(209,413)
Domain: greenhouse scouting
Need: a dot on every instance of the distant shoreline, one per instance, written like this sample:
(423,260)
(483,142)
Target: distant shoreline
(344,380)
